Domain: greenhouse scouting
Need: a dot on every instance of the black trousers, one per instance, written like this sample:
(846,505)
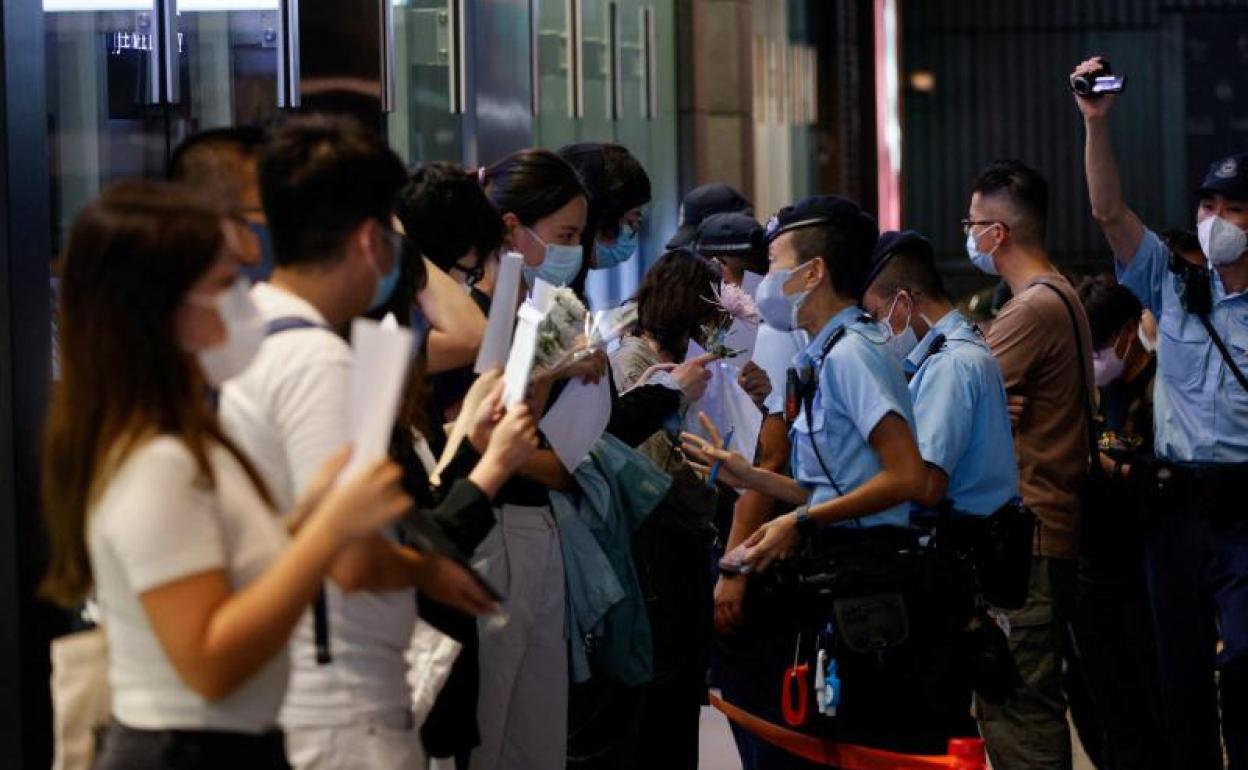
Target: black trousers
(126,748)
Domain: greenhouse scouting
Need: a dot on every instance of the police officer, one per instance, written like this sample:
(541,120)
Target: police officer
(702,202)
(960,412)
(854,459)
(963,430)
(1197,554)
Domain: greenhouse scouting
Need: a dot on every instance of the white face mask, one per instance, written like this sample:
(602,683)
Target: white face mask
(1106,366)
(244,331)
(899,344)
(1222,242)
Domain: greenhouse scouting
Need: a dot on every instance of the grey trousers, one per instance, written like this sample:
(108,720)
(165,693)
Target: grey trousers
(522,710)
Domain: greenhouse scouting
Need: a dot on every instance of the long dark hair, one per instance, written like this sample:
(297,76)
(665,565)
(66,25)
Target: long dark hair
(532,184)
(133,254)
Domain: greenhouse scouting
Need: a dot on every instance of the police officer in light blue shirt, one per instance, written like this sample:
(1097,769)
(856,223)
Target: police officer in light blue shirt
(1197,559)
(960,411)
(854,457)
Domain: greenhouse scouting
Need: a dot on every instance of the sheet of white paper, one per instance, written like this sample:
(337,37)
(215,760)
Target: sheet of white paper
(543,295)
(577,420)
(609,325)
(742,335)
(523,348)
(502,320)
(381,352)
(750,282)
(728,406)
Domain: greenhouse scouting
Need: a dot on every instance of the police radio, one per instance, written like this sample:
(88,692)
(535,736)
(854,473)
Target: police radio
(1195,294)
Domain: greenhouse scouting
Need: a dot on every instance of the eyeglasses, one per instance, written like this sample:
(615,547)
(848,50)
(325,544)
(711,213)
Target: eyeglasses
(967,224)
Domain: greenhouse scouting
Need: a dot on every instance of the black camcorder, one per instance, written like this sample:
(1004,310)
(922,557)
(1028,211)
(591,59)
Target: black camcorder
(1099,82)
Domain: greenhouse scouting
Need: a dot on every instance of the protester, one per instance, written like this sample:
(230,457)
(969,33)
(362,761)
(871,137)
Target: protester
(160,515)
(1197,545)
(222,162)
(1118,651)
(1042,343)
(618,188)
(328,188)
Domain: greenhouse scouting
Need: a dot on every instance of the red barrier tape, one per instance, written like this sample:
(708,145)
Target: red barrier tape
(964,753)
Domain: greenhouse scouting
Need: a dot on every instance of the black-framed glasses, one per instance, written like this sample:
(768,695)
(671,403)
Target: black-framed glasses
(967,224)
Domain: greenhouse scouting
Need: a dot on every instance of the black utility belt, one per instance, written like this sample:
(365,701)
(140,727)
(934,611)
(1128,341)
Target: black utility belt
(997,548)
(1215,489)
(1203,473)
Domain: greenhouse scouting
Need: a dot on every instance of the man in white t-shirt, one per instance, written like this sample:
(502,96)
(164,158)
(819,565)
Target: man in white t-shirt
(328,187)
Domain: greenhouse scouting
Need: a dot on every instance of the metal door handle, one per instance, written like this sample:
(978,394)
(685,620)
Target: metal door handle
(288,54)
(169,51)
(387,57)
(155,81)
(457,58)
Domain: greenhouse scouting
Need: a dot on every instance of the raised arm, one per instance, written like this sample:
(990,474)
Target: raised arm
(456,324)
(1121,226)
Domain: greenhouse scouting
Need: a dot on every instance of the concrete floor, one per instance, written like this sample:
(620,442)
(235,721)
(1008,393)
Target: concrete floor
(718,752)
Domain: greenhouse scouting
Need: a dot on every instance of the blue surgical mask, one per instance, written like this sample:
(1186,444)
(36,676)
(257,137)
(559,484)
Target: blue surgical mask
(558,268)
(262,271)
(779,310)
(978,258)
(611,254)
(387,283)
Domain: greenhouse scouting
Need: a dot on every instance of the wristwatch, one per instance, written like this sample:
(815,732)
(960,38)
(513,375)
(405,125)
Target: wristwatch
(805,524)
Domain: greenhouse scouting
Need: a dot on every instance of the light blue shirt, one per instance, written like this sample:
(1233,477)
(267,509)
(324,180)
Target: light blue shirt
(961,416)
(858,384)
(773,352)
(1201,410)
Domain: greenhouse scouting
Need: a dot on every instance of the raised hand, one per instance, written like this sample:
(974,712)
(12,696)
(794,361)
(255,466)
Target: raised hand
(369,500)
(1095,107)
(755,382)
(514,439)
(703,453)
(692,376)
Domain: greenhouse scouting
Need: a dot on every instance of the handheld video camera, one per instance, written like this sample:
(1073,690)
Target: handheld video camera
(1101,81)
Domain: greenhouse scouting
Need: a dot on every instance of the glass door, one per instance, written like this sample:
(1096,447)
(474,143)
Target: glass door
(430,88)
(556,59)
(106,97)
(227,60)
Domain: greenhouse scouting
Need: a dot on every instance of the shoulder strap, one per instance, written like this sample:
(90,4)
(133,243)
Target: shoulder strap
(320,610)
(291,323)
(1221,346)
(1093,450)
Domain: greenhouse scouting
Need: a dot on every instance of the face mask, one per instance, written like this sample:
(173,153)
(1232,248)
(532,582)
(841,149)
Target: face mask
(262,271)
(978,258)
(611,254)
(779,310)
(387,283)
(1148,345)
(898,344)
(1222,242)
(244,331)
(558,268)
(1106,366)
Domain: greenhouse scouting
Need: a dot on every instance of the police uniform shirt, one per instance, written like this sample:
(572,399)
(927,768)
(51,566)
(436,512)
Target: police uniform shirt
(1201,410)
(961,417)
(858,384)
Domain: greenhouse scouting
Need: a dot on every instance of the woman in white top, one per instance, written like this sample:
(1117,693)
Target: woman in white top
(153,508)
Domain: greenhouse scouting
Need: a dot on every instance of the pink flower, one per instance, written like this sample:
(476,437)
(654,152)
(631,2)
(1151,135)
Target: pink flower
(735,302)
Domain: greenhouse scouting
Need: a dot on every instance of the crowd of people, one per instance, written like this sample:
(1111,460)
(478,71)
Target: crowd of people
(949,526)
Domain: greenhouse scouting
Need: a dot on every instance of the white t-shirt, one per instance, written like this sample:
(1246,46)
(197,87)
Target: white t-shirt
(156,522)
(289,413)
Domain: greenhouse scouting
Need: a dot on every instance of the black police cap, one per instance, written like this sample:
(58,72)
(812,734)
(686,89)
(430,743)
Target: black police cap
(730,235)
(1227,177)
(891,242)
(830,210)
(702,202)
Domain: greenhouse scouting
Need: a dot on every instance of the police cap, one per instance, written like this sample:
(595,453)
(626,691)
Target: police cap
(702,202)
(1227,177)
